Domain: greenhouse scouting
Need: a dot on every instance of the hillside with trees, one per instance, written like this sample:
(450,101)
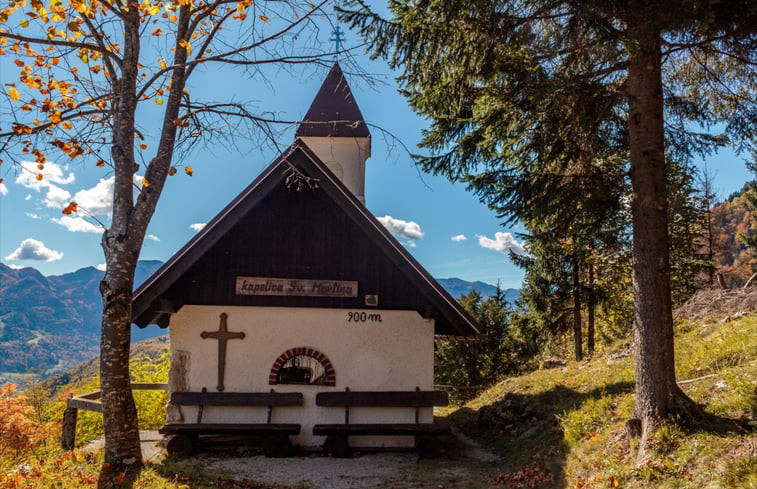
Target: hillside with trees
(731,220)
(50,324)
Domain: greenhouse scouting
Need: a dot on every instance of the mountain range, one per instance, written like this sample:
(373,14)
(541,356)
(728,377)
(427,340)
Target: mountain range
(49,324)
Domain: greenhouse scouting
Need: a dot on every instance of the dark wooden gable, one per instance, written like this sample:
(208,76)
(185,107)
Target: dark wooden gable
(323,233)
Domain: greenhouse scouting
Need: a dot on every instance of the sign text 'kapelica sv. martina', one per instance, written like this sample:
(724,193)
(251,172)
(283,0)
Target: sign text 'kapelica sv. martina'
(295,287)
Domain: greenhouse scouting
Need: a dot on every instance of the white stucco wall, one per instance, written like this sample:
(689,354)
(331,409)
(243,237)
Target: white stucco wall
(345,157)
(394,354)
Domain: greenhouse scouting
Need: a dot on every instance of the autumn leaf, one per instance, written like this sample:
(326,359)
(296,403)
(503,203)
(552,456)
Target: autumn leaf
(158,31)
(143,146)
(158,101)
(39,177)
(264,18)
(100,163)
(172,171)
(13,94)
(188,170)
(145,183)
(72,207)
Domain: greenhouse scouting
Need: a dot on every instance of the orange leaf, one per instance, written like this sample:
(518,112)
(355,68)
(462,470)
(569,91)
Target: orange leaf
(143,146)
(72,207)
(13,94)
(39,177)
(188,170)
(145,183)
(100,163)
(264,18)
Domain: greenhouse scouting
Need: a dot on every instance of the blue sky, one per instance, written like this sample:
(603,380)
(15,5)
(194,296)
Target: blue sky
(443,225)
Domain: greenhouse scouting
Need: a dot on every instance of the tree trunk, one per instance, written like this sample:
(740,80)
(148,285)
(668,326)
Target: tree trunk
(577,311)
(590,306)
(122,446)
(121,244)
(653,319)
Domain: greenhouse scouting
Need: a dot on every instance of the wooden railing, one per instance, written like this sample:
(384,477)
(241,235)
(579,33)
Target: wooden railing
(90,402)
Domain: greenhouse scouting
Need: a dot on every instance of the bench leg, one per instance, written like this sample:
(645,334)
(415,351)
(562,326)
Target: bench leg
(427,446)
(336,446)
(277,446)
(181,445)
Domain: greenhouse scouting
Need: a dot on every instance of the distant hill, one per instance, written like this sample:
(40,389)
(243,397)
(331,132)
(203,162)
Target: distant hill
(458,287)
(732,258)
(50,324)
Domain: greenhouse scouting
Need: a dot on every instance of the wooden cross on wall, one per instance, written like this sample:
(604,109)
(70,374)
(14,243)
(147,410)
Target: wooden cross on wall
(222,335)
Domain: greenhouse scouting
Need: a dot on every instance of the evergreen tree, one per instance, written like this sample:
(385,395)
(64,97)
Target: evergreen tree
(690,263)
(515,89)
(750,194)
(507,347)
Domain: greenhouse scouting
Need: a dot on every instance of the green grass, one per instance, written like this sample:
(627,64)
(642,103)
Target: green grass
(567,424)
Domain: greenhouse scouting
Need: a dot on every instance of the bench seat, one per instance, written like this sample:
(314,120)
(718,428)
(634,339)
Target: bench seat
(400,429)
(253,429)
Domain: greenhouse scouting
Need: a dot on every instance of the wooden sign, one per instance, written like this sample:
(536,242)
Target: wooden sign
(295,287)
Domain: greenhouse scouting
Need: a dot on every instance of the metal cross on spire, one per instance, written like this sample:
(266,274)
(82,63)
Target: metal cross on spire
(338,38)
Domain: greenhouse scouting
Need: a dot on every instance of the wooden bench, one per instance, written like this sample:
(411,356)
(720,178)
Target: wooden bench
(426,442)
(276,441)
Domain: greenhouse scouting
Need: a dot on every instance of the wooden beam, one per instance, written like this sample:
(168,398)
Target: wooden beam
(237,398)
(85,404)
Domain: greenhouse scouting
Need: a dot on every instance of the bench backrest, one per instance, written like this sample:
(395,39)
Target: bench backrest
(237,398)
(205,398)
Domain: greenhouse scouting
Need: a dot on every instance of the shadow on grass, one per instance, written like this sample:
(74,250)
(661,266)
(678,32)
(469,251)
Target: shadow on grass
(693,418)
(525,429)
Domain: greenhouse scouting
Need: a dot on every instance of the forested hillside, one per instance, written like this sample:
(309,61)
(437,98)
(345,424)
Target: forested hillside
(50,324)
(733,258)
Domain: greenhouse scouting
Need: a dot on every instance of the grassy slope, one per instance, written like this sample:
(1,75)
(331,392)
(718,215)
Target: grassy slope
(564,428)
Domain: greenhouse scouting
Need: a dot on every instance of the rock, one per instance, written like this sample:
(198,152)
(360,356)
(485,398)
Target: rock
(528,433)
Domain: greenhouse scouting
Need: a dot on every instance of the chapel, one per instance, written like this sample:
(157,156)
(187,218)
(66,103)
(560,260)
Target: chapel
(295,313)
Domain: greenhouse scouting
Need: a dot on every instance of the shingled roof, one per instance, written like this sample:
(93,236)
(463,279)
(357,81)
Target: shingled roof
(334,111)
(322,232)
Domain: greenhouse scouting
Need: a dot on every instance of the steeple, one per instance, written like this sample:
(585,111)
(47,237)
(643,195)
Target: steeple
(336,132)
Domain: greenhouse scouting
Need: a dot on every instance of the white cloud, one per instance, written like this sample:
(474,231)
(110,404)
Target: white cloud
(33,216)
(15,267)
(51,174)
(101,267)
(153,238)
(408,230)
(77,225)
(97,200)
(3,189)
(28,197)
(31,249)
(502,243)
(458,238)
(57,197)
(198,226)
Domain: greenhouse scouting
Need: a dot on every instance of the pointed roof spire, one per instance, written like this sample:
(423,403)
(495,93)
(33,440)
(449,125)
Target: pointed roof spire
(334,112)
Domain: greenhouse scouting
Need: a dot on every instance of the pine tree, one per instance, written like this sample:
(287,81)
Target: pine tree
(516,88)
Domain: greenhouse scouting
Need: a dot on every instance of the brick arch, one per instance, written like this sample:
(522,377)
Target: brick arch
(303,350)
